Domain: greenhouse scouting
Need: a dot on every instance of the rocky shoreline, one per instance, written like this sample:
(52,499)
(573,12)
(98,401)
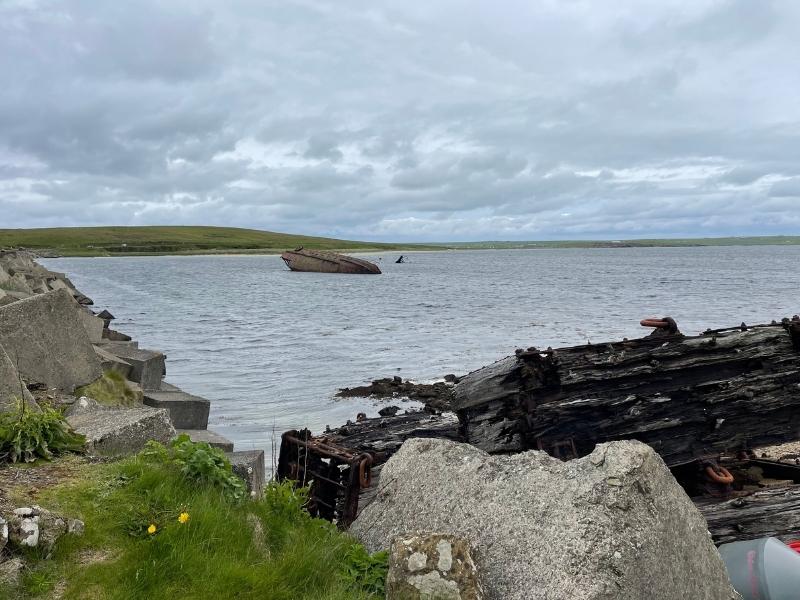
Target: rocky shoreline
(58,344)
(57,352)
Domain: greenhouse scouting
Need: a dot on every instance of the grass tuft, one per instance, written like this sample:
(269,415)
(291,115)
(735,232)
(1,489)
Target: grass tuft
(111,390)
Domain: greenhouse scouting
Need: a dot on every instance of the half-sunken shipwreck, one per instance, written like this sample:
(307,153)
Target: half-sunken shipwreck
(318,261)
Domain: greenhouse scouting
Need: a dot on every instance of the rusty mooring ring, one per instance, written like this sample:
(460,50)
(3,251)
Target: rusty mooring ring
(365,472)
(719,475)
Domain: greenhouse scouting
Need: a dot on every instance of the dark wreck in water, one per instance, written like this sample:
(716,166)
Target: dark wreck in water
(319,261)
(702,402)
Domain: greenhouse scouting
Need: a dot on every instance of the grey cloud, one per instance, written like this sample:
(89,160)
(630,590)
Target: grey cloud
(324,146)
(786,188)
(400,120)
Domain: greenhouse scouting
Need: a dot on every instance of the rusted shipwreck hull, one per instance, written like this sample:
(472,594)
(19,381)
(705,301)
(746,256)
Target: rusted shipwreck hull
(318,261)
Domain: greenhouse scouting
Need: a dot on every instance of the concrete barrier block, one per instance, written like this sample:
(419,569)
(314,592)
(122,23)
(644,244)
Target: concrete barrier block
(58,284)
(11,391)
(15,295)
(109,362)
(110,345)
(114,336)
(249,465)
(147,366)
(210,437)
(44,337)
(121,431)
(185,410)
(92,325)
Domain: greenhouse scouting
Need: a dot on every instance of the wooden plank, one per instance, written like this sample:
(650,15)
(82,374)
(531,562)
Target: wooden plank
(769,512)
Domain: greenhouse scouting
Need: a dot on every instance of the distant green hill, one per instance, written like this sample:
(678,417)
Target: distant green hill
(774,240)
(121,241)
(108,241)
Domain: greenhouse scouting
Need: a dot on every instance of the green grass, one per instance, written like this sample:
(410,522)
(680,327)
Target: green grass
(107,241)
(213,555)
(111,390)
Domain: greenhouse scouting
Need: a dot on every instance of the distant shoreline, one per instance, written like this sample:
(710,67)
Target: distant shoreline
(193,241)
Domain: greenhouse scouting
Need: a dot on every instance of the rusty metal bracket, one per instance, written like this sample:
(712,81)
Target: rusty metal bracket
(336,474)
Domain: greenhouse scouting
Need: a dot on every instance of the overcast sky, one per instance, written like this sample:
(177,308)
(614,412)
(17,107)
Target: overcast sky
(404,120)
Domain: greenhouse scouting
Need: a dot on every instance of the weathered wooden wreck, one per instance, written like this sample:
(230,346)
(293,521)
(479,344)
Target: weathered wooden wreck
(703,402)
(319,261)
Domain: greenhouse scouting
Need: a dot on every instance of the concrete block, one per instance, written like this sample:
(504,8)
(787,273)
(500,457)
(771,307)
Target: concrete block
(17,295)
(147,366)
(44,337)
(92,325)
(249,465)
(58,284)
(110,345)
(10,389)
(120,431)
(113,335)
(39,286)
(109,362)
(185,410)
(210,437)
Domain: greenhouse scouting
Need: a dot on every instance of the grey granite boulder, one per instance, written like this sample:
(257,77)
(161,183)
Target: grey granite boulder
(45,338)
(112,431)
(611,525)
(436,565)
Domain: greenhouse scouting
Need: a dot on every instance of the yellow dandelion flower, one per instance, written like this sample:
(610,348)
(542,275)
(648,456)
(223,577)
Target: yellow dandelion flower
(183,517)
(152,529)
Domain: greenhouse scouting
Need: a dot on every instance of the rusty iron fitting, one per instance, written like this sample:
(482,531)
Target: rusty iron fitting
(655,323)
(719,474)
(365,471)
(666,323)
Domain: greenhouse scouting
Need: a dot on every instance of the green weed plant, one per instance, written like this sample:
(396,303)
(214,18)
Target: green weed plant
(199,462)
(27,435)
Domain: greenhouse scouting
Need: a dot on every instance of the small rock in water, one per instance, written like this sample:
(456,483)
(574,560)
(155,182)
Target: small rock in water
(388,411)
